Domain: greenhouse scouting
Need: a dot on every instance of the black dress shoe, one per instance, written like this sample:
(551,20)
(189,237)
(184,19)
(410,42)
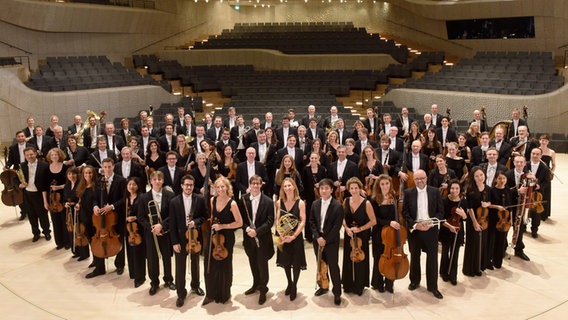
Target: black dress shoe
(288,289)
(58,247)
(293,293)
(262,298)
(119,271)
(206,301)
(522,255)
(170,285)
(250,291)
(75,255)
(337,300)
(153,290)
(138,283)
(360,292)
(389,289)
(445,278)
(198,291)
(534,234)
(437,294)
(180,301)
(380,288)
(479,273)
(22,217)
(413,286)
(454,282)
(83,258)
(92,265)
(93,274)
(67,247)
(320,292)
(47,237)
(35,238)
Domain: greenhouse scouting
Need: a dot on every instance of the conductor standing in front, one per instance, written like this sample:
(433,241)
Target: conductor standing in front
(422,207)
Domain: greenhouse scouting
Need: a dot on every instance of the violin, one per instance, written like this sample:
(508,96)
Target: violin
(339,195)
(219,251)
(12,195)
(444,191)
(55,204)
(232,175)
(134,237)
(69,218)
(455,219)
(393,263)
(193,245)
(536,202)
(357,254)
(504,223)
(322,279)
(105,243)
(481,215)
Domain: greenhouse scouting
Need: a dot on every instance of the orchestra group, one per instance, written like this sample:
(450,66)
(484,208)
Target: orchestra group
(143,194)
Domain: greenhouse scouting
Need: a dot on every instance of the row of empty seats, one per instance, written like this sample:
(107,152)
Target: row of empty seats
(7,61)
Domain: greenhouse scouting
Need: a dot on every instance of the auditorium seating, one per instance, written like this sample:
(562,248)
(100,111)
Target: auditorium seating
(86,72)
(514,73)
(7,61)
(305,38)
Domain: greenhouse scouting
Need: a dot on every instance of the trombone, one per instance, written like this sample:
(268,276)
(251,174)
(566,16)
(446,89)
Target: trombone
(154,213)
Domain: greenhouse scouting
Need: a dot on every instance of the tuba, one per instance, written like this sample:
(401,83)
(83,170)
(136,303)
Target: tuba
(285,226)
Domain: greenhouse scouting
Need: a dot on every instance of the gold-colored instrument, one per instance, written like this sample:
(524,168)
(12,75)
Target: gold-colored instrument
(155,218)
(285,226)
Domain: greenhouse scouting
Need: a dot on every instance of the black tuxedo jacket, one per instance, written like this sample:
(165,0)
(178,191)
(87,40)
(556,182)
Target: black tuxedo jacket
(183,130)
(477,156)
(399,145)
(298,158)
(482,125)
(530,144)
(451,135)
(319,134)
(14,156)
(423,162)
(358,148)
(118,143)
(306,121)
(500,168)
(220,144)
(280,136)
(351,170)
(142,215)
(114,197)
(423,126)
(512,131)
(398,123)
(27,132)
(250,138)
(270,153)
(512,185)
(42,170)
(175,184)
(346,135)
(46,144)
(332,223)
(212,133)
(95,158)
(87,135)
(542,175)
(136,170)
(262,224)
(410,206)
(163,142)
(120,133)
(377,125)
(504,151)
(242,174)
(394,160)
(176,222)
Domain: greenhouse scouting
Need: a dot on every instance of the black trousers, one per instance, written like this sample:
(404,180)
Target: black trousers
(153,259)
(259,268)
(37,215)
(426,241)
(446,269)
(181,268)
(59,228)
(330,255)
(136,256)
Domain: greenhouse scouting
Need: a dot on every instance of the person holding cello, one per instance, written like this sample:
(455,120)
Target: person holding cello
(358,220)
(135,246)
(422,207)
(225,219)
(153,213)
(326,219)
(187,212)
(452,234)
(107,198)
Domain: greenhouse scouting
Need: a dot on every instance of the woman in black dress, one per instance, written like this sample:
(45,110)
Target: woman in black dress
(369,168)
(225,219)
(185,155)
(384,205)
(475,253)
(317,148)
(358,221)
(432,147)
(86,194)
(440,176)
(287,170)
(456,162)
(136,253)
(311,176)
(70,200)
(228,165)
(549,158)
(199,172)
(155,159)
(500,197)
(452,233)
(56,177)
(291,254)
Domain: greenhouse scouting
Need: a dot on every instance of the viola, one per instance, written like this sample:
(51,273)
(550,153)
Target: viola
(105,243)
(69,220)
(339,195)
(536,202)
(455,219)
(55,204)
(357,254)
(444,191)
(481,214)
(322,279)
(80,238)
(134,237)
(504,222)
(219,251)
(393,263)
(232,175)
(193,245)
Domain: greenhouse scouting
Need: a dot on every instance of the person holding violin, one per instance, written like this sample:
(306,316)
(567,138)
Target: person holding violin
(542,175)
(187,212)
(70,198)
(369,168)
(108,197)
(228,165)
(423,203)
(76,155)
(340,171)
(522,144)
(172,173)
(186,157)
(153,214)
(35,193)
(383,202)
(291,256)
(499,218)
(440,176)
(358,220)
(135,246)
(56,177)
(517,180)
(452,234)
(456,162)
(86,193)
(257,212)
(287,170)
(476,258)
(226,218)
(199,173)
(326,219)
(155,158)
(312,173)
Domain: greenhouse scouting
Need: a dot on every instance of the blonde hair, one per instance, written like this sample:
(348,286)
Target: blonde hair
(296,192)
(227,183)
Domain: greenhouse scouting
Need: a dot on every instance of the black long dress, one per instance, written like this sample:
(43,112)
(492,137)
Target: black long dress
(219,273)
(293,253)
(497,240)
(475,242)
(447,239)
(547,194)
(355,276)
(86,218)
(456,165)
(136,254)
(58,218)
(384,215)
(70,195)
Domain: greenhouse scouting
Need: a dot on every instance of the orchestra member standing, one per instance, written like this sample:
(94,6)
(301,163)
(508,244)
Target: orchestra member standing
(475,253)
(86,192)
(56,178)
(135,252)
(452,234)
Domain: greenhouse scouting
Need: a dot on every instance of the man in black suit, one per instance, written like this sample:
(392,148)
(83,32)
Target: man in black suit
(503,147)
(445,133)
(293,151)
(172,173)
(247,169)
(403,122)
(29,130)
(422,203)
(157,243)
(214,133)
(168,140)
(372,123)
(96,158)
(225,139)
(479,153)
(481,122)
(342,170)
(91,133)
(435,116)
(257,210)
(388,157)
(314,132)
(16,151)
(231,120)
(42,143)
(516,122)
(515,179)
(541,173)
(128,168)
(114,142)
(35,191)
(238,136)
(328,122)
(427,124)
(139,124)
(76,126)
(492,167)
(304,143)
(265,153)
(125,132)
(343,133)
(396,142)
(112,197)
(268,121)
(363,141)
(179,121)
(326,218)
(283,132)
(187,211)
(250,137)
(151,130)
(145,138)
(522,144)
(311,115)
(59,140)
(415,160)
(188,127)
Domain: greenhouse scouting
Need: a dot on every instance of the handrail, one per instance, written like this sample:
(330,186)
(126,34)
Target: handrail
(13,46)
(169,37)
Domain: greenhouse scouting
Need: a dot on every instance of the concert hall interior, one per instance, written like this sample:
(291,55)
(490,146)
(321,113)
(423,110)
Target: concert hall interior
(162,88)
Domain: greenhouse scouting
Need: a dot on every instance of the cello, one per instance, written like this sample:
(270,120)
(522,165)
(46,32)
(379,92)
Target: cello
(393,263)
(12,195)
(105,242)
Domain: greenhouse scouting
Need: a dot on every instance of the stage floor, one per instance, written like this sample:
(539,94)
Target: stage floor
(39,282)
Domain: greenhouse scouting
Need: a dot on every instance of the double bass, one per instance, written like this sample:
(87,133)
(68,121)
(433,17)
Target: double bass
(393,263)
(12,195)
(105,242)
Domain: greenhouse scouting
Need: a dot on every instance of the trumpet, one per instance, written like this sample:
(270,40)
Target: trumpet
(154,214)
(245,131)
(429,222)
